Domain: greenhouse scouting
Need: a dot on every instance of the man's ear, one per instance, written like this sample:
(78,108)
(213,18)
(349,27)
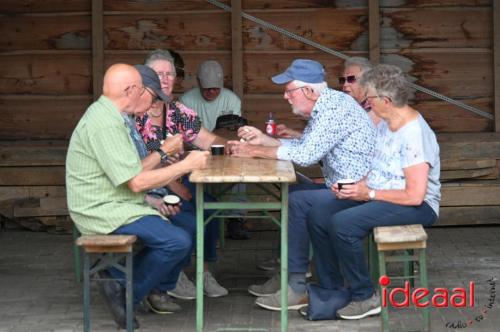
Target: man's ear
(309,93)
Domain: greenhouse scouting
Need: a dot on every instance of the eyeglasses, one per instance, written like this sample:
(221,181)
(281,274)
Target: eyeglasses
(154,95)
(166,74)
(289,91)
(349,79)
(141,88)
(380,97)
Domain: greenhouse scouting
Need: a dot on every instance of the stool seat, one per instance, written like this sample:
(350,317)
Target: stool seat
(412,241)
(110,249)
(400,237)
(106,243)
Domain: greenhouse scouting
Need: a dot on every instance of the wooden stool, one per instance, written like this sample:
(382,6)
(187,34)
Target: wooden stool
(412,240)
(110,250)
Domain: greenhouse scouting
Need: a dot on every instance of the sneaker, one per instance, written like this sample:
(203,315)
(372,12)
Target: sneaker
(361,309)
(236,230)
(161,303)
(184,288)
(268,288)
(273,302)
(211,287)
(274,265)
(270,265)
(303,311)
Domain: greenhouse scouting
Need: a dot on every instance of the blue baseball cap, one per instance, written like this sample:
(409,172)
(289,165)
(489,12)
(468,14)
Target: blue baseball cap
(304,70)
(150,80)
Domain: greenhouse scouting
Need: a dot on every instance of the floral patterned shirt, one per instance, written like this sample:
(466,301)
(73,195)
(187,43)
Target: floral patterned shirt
(339,134)
(179,120)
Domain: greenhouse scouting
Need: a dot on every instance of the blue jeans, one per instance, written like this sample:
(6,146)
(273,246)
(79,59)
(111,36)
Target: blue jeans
(211,229)
(337,229)
(186,220)
(301,200)
(159,263)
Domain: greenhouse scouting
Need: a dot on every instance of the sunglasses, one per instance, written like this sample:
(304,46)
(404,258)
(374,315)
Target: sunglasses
(348,79)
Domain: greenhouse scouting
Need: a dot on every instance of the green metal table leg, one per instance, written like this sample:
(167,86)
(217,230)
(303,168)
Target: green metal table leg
(284,257)
(200,226)
(129,307)
(385,313)
(424,283)
(373,259)
(76,254)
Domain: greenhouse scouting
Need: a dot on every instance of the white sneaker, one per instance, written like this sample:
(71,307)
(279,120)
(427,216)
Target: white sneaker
(211,287)
(184,289)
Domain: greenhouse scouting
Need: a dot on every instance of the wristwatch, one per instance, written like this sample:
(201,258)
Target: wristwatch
(371,194)
(163,156)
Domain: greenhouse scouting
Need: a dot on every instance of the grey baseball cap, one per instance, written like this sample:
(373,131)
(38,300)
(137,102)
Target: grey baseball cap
(211,75)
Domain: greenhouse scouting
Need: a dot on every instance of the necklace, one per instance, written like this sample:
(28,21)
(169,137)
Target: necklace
(154,115)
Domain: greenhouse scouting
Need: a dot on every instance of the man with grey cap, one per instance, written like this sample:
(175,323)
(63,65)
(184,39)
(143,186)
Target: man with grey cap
(210,99)
(339,135)
(106,181)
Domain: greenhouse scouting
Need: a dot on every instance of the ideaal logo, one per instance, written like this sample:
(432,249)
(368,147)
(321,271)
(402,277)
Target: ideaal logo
(459,297)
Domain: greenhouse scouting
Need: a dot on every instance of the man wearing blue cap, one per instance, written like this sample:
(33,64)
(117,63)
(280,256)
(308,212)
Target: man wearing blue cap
(105,181)
(339,135)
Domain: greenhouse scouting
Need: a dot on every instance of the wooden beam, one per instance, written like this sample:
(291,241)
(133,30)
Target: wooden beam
(237,49)
(374,30)
(496,61)
(97,47)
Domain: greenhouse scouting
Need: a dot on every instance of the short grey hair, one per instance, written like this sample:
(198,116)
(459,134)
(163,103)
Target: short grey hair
(387,81)
(316,87)
(363,63)
(159,55)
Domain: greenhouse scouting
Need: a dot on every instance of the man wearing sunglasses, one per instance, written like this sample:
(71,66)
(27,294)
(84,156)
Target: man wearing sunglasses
(339,134)
(354,67)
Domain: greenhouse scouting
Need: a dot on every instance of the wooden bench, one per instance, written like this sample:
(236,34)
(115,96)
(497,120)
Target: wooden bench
(110,250)
(412,241)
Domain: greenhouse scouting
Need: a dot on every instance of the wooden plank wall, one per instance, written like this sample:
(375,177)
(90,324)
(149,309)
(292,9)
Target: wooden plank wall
(47,61)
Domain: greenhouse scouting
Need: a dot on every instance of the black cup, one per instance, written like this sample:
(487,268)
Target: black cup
(343,182)
(217,150)
(171,199)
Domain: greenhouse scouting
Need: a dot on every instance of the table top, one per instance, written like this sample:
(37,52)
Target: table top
(232,169)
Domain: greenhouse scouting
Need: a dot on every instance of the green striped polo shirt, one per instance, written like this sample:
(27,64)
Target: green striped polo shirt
(101,160)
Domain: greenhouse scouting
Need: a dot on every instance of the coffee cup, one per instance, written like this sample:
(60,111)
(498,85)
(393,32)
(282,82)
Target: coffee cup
(343,182)
(217,150)
(171,199)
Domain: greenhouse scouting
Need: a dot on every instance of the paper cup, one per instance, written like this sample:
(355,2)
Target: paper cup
(171,199)
(343,182)
(217,150)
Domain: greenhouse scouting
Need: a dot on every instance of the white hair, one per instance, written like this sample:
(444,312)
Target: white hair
(316,87)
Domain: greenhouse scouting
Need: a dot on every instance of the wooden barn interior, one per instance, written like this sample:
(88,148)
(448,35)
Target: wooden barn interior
(54,53)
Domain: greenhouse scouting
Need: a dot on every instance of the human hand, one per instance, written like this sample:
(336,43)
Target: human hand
(173,145)
(164,209)
(180,190)
(196,160)
(251,135)
(356,192)
(240,149)
(284,132)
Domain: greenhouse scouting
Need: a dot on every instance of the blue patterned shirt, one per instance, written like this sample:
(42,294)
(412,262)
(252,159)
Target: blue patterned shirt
(339,134)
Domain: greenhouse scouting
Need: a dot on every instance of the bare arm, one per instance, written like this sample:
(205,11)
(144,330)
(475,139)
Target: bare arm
(149,179)
(255,136)
(245,150)
(205,139)
(171,146)
(413,194)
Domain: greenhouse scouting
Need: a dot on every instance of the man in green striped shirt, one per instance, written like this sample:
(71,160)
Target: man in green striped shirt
(106,181)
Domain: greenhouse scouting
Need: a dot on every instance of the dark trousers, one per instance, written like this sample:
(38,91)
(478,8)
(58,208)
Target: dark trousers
(159,263)
(337,229)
